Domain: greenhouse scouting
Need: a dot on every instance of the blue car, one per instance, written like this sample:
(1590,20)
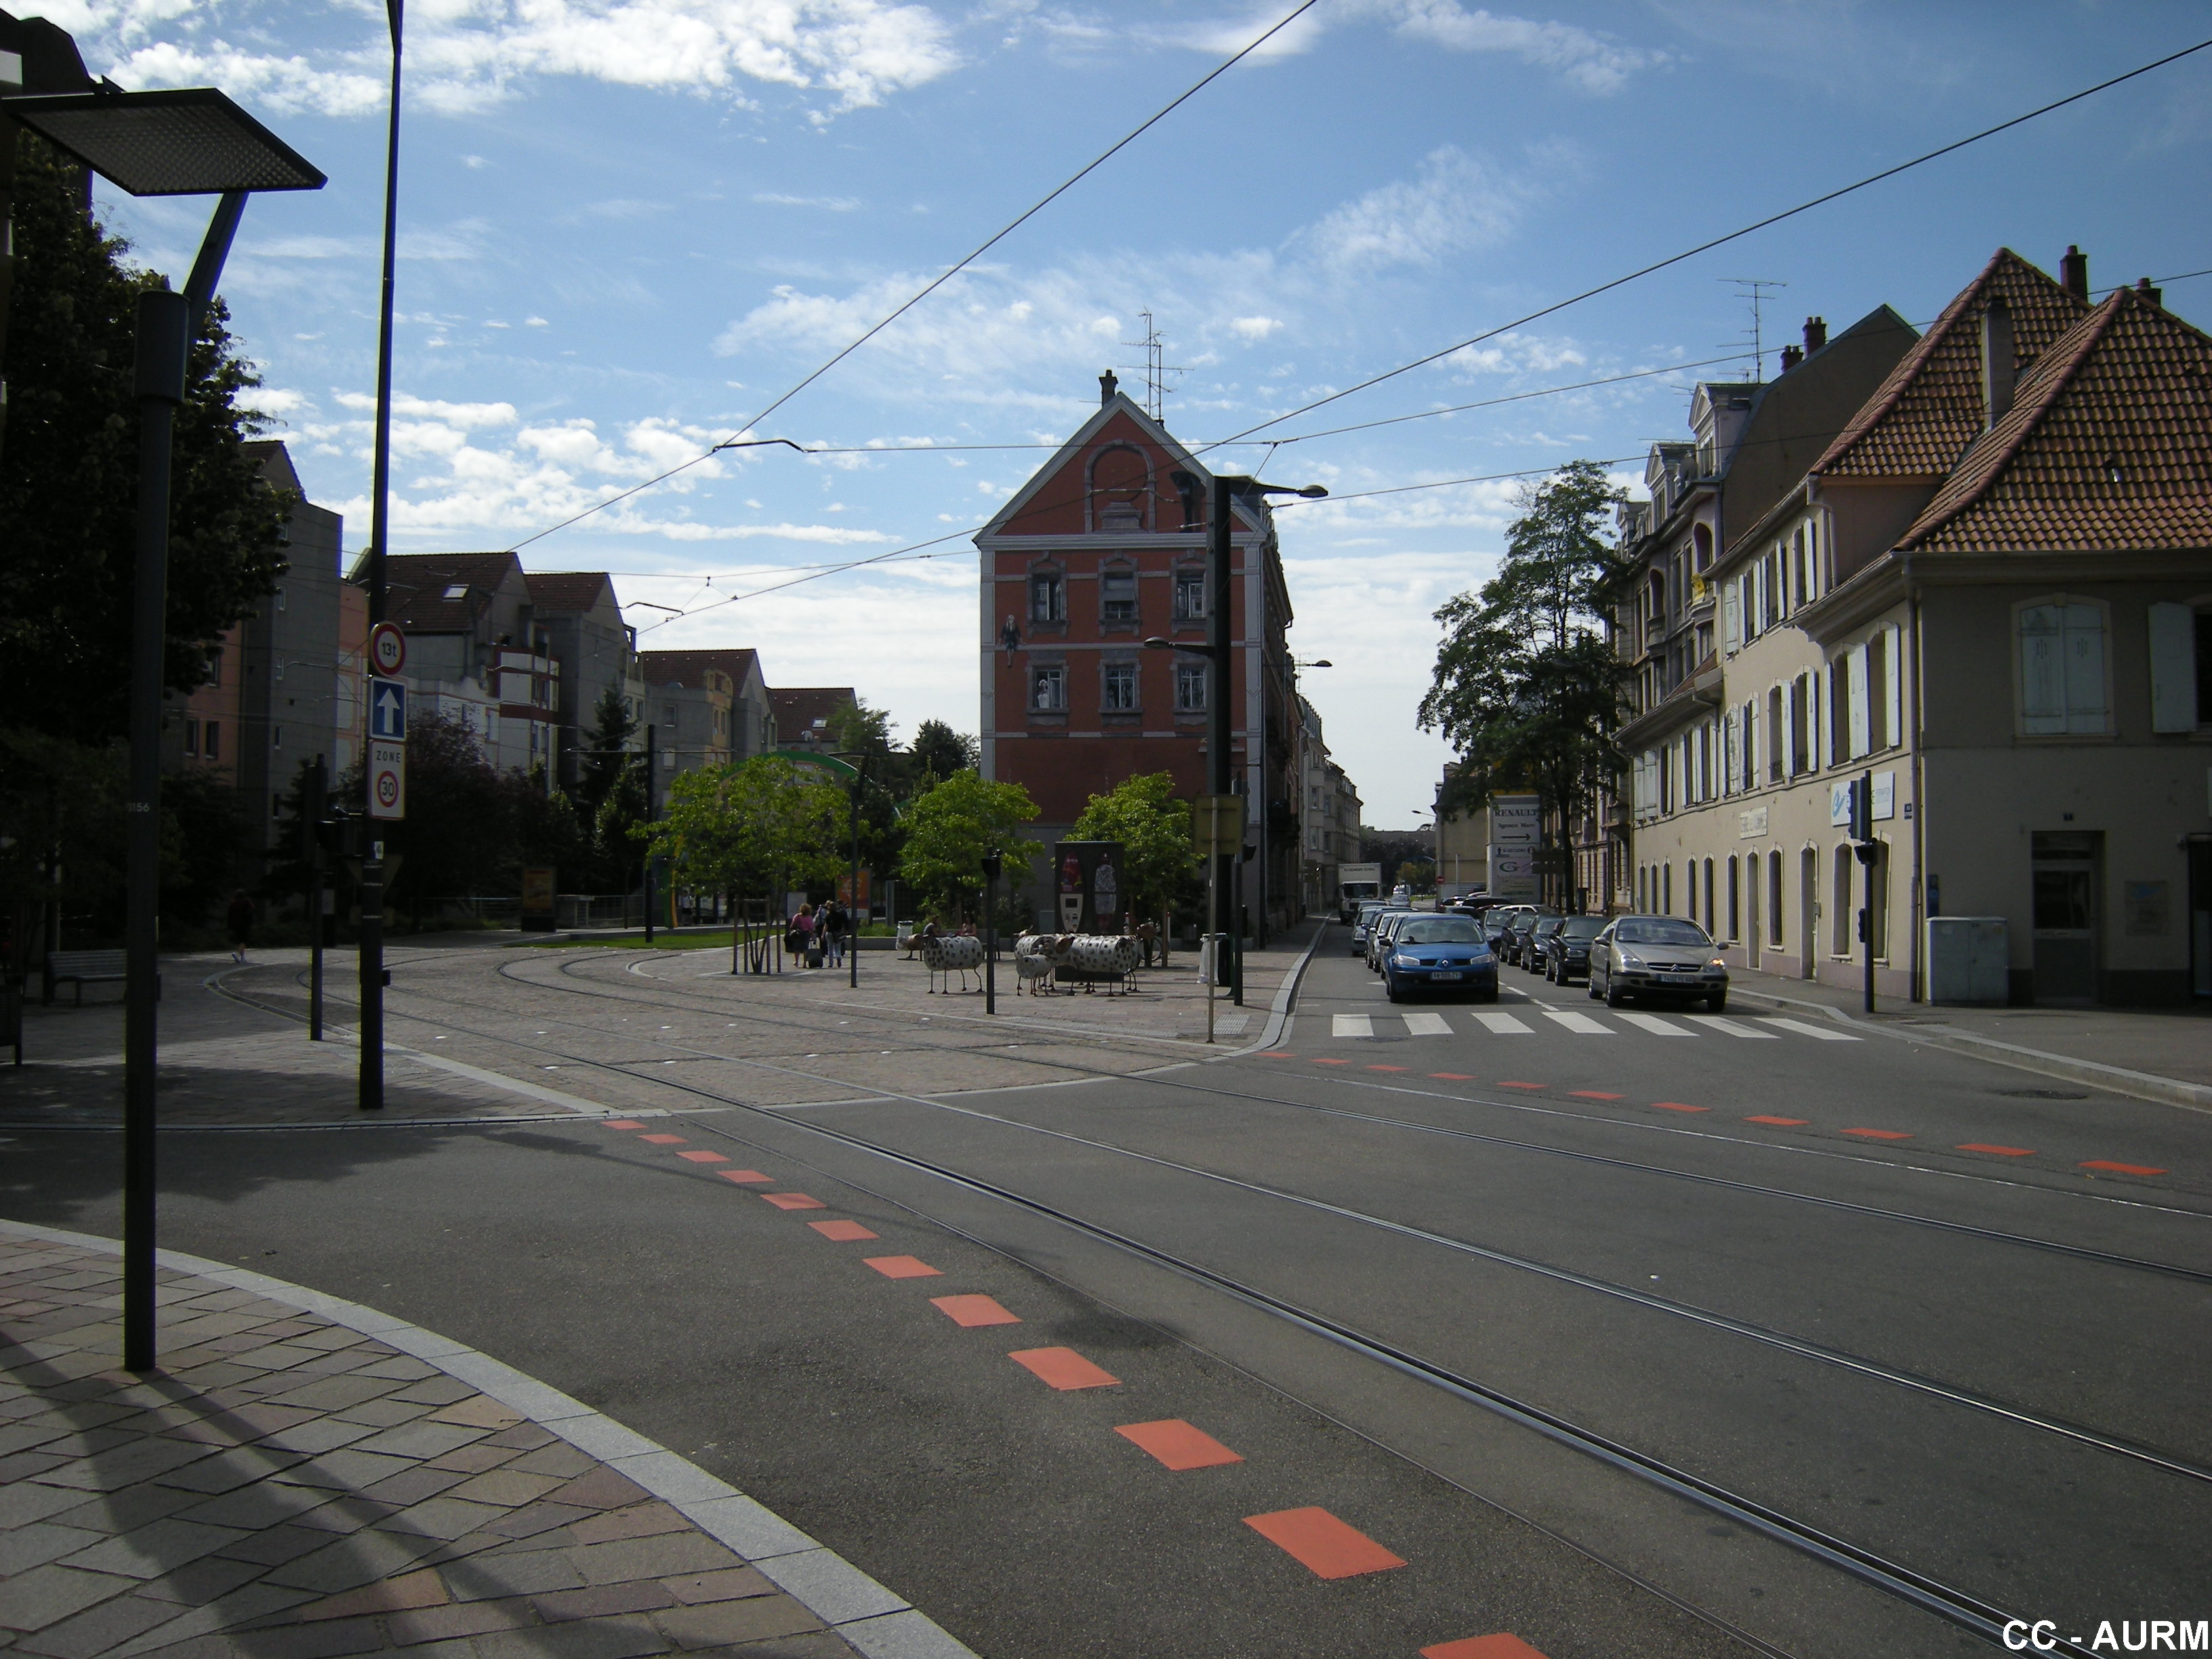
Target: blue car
(1440,953)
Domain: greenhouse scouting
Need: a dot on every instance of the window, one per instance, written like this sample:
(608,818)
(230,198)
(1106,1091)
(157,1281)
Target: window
(1666,888)
(1119,689)
(211,746)
(2062,668)
(1839,906)
(1048,597)
(1709,895)
(276,737)
(1117,597)
(1190,686)
(192,738)
(2204,668)
(1797,717)
(1048,690)
(280,599)
(1773,724)
(1190,593)
(1774,899)
(1735,897)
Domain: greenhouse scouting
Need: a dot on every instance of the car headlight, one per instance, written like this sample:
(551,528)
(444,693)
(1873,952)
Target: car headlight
(1717,963)
(1629,959)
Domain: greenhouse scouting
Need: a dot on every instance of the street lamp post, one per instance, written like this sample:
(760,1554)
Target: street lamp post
(193,142)
(858,759)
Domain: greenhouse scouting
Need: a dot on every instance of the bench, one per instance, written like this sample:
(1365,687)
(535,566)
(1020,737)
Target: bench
(80,968)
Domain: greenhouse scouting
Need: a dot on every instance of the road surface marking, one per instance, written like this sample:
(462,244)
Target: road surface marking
(1580,1024)
(1063,1368)
(1592,1094)
(1879,1134)
(1508,1083)
(2001,1152)
(795,1202)
(1351,1025)
(1427,1025)
(662,1140)
(1318,1541)
(970,1311)
(702,1158)
(1826,1033)
(2122,1169)
(1178,1445)
(1733,1028)
(1678,1106)
(1387,1068)
(903,1267)
(1453,1077)
(1332,1062)
(1504,1024)
(842,1231)
(1786,1122)
(1500,1646)
(621,1123)
(747,1177)
(1652,1024)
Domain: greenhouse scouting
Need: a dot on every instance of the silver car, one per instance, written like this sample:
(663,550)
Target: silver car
(1657,956)
(1361,924)
(1379,936)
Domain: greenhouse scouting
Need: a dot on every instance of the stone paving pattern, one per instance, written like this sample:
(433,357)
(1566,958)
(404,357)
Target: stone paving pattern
(286,1488)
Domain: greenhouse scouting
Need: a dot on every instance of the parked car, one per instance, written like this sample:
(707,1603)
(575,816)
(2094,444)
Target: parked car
(1519,930)
(1402,896)
(1430,952)
(1495,921)
(1657,956)
(1536,944)
(1369,909)
(1567,950)
(1378,941)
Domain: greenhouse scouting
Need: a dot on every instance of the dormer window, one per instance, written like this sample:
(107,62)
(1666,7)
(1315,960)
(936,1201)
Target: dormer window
(457,591)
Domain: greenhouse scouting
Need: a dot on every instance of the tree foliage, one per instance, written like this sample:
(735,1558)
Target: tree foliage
(1527,688)
(1158,862)
(939,752)
(950,827)
(743,825)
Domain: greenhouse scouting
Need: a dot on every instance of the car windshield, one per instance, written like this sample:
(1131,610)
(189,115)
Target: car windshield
(1547,927)
(1439,930)
(1582,927)
(1660,930)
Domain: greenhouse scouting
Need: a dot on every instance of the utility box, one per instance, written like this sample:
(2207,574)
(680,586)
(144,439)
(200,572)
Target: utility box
(1214,959)
(1968,961)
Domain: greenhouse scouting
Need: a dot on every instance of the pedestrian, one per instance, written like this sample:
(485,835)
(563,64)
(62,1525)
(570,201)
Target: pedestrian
(809,937)
(833,932)
(239,919)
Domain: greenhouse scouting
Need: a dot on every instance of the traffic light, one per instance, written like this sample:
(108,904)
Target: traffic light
(1862,808)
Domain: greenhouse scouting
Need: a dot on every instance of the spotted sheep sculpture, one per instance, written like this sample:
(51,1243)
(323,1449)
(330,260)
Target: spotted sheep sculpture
(1084,959)
(961,954)
(1037,958)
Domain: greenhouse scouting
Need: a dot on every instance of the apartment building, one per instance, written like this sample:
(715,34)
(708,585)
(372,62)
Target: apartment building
(478,654)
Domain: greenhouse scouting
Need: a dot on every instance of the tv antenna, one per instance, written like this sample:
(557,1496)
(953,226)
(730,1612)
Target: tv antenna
(1154,371)
(1753,288)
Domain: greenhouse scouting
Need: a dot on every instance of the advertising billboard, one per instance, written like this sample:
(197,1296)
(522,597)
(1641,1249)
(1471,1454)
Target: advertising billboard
(1088,882)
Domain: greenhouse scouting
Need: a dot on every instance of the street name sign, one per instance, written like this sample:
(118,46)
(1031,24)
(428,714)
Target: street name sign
(387,780)
(387,711)
(387,649)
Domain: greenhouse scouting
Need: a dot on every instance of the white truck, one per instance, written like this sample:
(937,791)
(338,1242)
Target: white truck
(1354,883)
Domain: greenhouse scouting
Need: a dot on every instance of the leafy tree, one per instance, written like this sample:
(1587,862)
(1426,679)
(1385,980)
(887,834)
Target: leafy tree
(615,853)
(741,826)
(1416,875)
(61,812)
(861,730)
(1158,864)
(608,756)
(203,836)
(69,476)
(939,750)
(1527,688)
(951,826)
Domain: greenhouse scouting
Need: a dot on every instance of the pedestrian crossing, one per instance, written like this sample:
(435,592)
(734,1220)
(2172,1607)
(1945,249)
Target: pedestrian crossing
(1495,1022)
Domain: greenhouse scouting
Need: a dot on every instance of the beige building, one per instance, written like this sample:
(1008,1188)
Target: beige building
(1989,596)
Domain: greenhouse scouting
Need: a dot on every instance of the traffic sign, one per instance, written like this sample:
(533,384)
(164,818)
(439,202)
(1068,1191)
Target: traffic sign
(387,649)
(387,780)
(387,711)
(1216,825)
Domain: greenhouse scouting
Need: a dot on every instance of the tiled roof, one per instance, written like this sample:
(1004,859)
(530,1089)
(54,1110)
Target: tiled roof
(418,582)
(797,710)
(2107,446)
(275,463)
(686,668)
(1924,415)
(568,591)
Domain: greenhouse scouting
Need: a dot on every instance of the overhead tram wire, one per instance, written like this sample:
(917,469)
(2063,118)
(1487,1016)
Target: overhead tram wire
(946,276)
(1717,241)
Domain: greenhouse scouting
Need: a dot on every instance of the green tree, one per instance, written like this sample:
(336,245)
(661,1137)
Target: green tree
(938,750)
(608,756)
(1526,687)
(741,826)
(950,827)
(69,473)
(1158,866)
(861,730)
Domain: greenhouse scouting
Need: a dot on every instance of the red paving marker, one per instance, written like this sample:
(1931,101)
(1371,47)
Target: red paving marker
(1508,1083)
(1592,1094)
(903,1267)
(1332,1062)
(1453,1077)
(1063,1368)
(1786,1122)
(746,1177)
(2122,1169)
(1319,1541)
(1386,1068)
(1879,1134)
(970,1311)
(1500,1646)
(1178,1445)
(620,1123)
(662,1140)
(795,1202)
(842,1231)
(1678,1106)
(703,1158)
(2001,1152)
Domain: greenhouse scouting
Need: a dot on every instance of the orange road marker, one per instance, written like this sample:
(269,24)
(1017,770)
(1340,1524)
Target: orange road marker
(903,1267)
(1508,1083)
(620,1123)
(1318,1541)
(1879,1134)
(662,1140)
(746,1177)
(2122,1169)
(795,1202)
(2001,1152)
(1593,1094)
(1063,1368)
(970,1311)
(1785,1123)
(1453,1077)
(703,1158)
(1678,1106)
(843,1231)
(1179,1445)
(1500,1646)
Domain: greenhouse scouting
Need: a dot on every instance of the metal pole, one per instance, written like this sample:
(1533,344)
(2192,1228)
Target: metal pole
(1221,769)
(990,941)
(314,805)
(652,775)
(164,336)
(1869,854)
(853,896)
(372,896)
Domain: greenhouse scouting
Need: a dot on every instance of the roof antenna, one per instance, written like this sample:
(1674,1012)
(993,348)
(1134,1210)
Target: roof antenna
(1753,288)
(1154,371)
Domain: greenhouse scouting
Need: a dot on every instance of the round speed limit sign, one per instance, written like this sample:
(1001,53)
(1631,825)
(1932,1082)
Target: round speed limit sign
(387,649)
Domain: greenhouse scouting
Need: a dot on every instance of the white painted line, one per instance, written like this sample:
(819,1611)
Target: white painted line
(1351,1025)
(1653,1024)
(1503,1025)
(1581,1025)
(1826,1033)
(1735,1028)
(1427,1025)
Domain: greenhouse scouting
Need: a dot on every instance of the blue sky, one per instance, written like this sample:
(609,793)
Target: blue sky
(628,227)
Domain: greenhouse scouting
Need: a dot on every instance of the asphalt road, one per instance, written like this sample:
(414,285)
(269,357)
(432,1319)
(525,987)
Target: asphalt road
(1985,1366)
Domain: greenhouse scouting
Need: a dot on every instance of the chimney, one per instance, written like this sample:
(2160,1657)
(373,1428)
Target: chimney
(2073,273)
(2155,296)
(1107,385)
(1792,356)
(1816,333)
(1996,361)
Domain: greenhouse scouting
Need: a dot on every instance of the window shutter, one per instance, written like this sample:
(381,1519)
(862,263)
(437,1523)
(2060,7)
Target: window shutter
(1790,730)
(2085,668)
(2041,671)
(2172,668)
(1856,671)
(1893,690)
(1731,617)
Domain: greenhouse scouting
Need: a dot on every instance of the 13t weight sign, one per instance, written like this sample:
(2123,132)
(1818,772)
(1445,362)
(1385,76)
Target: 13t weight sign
(387,649)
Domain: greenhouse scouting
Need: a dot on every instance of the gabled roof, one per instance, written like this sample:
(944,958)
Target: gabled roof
(418,583)
(2107,446)
(275,463)
(570,593)
(1008,519)
(687,668)
(798,707)
(1921,419)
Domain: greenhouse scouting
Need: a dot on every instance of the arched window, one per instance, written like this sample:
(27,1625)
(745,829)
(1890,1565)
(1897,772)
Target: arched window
(1735,899)
(1119,496)
(1774,898)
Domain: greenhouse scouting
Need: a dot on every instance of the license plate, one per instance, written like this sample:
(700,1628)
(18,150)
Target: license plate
(1680,979)
(1450,976)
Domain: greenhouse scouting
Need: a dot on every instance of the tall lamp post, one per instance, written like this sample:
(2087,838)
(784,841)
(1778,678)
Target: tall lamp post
(193,142)
(859,760)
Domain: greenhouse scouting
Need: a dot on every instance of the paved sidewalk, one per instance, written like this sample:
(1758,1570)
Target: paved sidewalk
(2154,1054)
(290,1487)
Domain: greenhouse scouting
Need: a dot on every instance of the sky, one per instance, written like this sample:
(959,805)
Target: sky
(628,226)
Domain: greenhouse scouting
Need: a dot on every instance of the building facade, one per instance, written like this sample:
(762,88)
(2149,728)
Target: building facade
(478,654)
(584,631)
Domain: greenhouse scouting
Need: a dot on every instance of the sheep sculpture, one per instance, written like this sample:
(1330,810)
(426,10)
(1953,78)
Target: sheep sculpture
(961,954)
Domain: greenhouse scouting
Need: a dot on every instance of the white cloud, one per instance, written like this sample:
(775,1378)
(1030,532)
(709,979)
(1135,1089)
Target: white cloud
(828,204)
(1456,203)
(1255,328)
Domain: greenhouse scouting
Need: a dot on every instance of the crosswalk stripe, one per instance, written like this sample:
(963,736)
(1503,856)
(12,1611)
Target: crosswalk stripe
(1655,1025)
(1427,1025)
(1581,1025)
(1733,1028)
(1826,1033)
(1351,1025)
(1503,1025)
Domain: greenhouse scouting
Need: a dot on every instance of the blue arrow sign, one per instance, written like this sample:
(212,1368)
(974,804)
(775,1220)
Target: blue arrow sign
(387,711)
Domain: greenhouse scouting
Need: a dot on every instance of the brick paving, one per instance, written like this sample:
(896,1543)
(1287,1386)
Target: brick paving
(285,1487)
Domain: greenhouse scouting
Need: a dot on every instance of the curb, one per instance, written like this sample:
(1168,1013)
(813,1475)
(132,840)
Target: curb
(879,1623)
(2143,1085)
(1279,1011)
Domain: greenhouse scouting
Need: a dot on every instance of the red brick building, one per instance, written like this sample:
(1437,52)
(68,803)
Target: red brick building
(1102,548)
